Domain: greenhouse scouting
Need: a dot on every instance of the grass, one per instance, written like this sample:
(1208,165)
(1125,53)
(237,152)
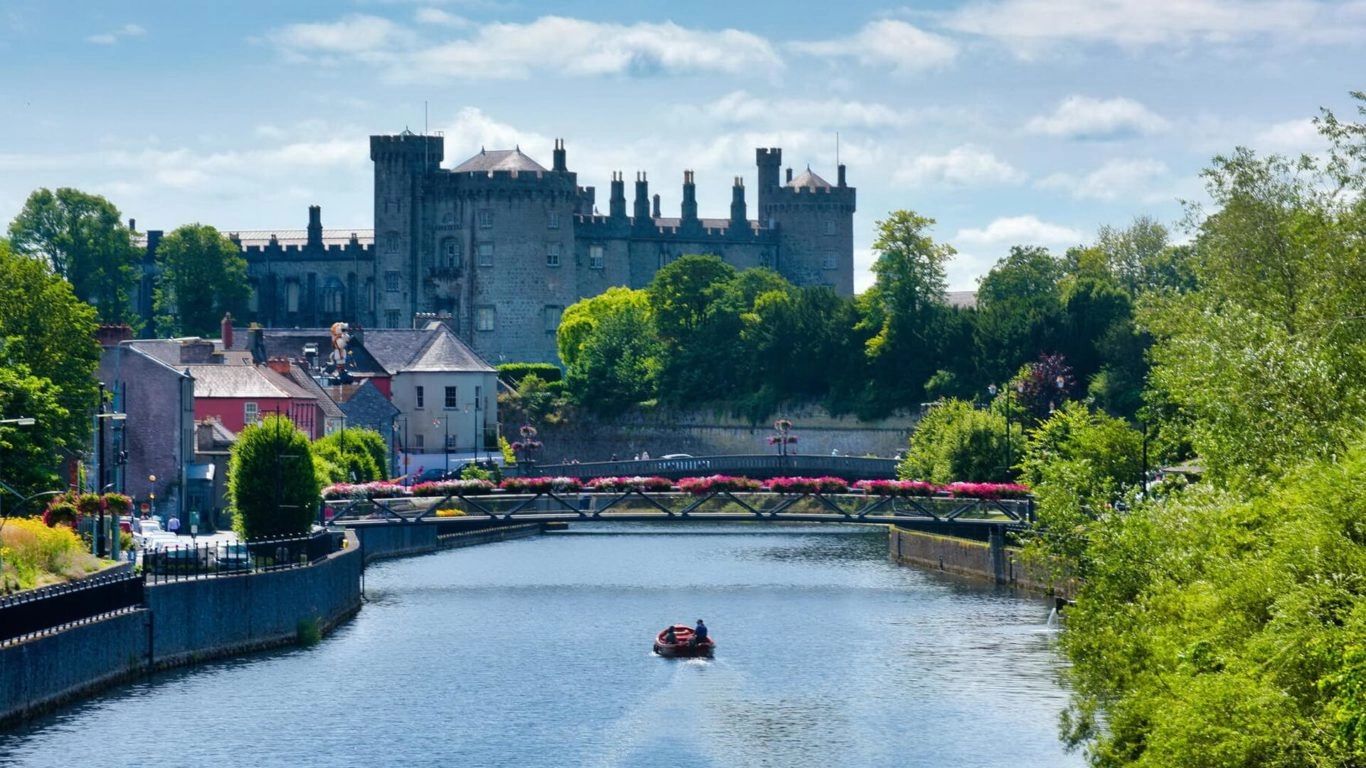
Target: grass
(34,555)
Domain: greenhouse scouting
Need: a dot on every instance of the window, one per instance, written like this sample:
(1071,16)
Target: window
(451,400)
(552,317)
(419,445)
(450,252)
(450,442)
(292,296)
(483,319)
(552,254)
(595,259)
(554,221)
(485,219)
(391,318)
(829,226)
(391,280)
(420,396)
(486,254)
(251,413)
(391,242)
(828,261)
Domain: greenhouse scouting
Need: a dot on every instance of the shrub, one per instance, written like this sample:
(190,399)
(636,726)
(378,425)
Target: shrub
(61,511)
(34,551)
(987,490)
(541,484)
(616,484)
(375,490)
(901,488)
(271,482)
(453,487)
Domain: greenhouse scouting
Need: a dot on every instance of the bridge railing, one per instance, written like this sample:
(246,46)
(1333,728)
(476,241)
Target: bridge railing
(758,466)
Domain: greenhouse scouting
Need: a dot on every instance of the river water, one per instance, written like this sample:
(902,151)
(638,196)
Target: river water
(537,653)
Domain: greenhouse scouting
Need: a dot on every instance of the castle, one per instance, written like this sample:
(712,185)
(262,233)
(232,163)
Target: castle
(501,245)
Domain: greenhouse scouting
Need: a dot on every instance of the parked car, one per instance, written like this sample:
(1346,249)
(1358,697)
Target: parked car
(233,557)
(176,559)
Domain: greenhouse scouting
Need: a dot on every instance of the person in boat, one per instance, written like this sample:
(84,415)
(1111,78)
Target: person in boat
(669,636)
(699,633)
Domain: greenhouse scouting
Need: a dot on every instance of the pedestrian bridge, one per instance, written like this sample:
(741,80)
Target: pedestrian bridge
(458,512)
(757,466)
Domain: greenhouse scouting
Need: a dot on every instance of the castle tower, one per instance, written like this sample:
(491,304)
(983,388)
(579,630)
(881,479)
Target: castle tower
(402,164)
(768,160)
(815,223)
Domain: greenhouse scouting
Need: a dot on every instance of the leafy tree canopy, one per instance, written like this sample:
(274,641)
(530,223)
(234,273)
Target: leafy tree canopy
(271,481)
(203,276)
(84,240)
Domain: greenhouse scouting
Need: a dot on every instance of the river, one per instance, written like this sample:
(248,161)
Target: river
(537,653)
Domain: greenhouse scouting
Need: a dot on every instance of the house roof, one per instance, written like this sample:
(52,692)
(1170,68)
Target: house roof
(433,348)
(500,160)
(299,375)
(809,180)
(290,343)
(244,381)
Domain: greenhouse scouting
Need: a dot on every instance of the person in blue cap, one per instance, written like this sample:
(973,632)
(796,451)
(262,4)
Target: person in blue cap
(699,633)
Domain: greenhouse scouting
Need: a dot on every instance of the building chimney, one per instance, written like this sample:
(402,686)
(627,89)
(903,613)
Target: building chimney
(617,205)
(256,343)
(226,330)
(655,210)
(689,208)
(559,156)
(738,216)
(315,226)
(789,175)
(841,175)
(279,364)
(132,225)
(110,335)
(642,202)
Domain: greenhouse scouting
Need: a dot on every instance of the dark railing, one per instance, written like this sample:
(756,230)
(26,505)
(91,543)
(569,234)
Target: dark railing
(37,611)
(215,559)
(757,466)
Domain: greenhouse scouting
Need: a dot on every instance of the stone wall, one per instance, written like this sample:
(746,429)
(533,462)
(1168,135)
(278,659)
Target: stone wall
(701,433)
(965,557)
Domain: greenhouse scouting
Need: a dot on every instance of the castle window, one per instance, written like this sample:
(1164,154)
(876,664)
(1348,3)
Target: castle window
(292,296)
(829,226)
(391,280)
(554,221)
(450,251)
(552,317)
(552,254)
(391,242)
(485,219)
(483,319)
(595,258)
(828,261)
(332,301)
(419,396)
(452,401)
(486,254)
(391,318)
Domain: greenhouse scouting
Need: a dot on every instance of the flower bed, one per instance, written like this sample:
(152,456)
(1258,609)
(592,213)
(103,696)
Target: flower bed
(987,490)
(379,489)
(541,484)
(699,486)
(618,484)
(808,485)
(901,488)
(453,487)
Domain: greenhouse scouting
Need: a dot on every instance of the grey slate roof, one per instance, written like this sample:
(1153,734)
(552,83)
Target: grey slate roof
(305,382)
(434,348)
(809,180)
(500,160)
(248,381)
(290,343)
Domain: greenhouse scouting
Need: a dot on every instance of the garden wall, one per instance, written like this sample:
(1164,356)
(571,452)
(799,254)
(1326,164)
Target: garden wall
(705,433)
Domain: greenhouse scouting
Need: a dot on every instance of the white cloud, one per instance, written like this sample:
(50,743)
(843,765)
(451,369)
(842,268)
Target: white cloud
(1030,25)
(353,34)
(438,17)
(743,108)
(548,45)
(1290,137)
(888,43)
(113,36)
(961,166)
(1020,230)
(1082,117)
(1114,180)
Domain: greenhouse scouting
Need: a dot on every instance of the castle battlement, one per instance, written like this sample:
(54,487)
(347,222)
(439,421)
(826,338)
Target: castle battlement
(364,252)
(719,231)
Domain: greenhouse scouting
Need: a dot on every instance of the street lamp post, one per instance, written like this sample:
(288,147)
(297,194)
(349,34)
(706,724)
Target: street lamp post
(101,535)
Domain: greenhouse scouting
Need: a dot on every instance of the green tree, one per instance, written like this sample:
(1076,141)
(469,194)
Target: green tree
(84,240)
(356,455)
(47,334)
(1019,311)
(29,454)
(956,442)
(608,346)
(271,483)
(203,276)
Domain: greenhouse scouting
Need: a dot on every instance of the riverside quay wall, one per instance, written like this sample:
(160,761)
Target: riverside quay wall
(991,559)
(183,622)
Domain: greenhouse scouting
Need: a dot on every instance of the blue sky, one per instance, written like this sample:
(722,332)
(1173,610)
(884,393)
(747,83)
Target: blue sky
(1007,121)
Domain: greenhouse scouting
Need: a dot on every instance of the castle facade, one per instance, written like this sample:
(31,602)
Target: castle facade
(500,245)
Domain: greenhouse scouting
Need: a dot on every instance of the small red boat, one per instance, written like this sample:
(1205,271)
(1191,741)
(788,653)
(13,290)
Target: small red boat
(680,646)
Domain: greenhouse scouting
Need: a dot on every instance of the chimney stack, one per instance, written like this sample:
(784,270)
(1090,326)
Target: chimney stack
(315,226)
(226,331)
(689,209)
(655,209)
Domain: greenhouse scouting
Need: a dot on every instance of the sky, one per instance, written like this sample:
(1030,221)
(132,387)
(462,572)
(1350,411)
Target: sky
(1008,122)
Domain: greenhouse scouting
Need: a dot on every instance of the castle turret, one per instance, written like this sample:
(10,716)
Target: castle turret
(768,161)
(559,160)
(617,205)
(689,208)
(315,226)
(402,163)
